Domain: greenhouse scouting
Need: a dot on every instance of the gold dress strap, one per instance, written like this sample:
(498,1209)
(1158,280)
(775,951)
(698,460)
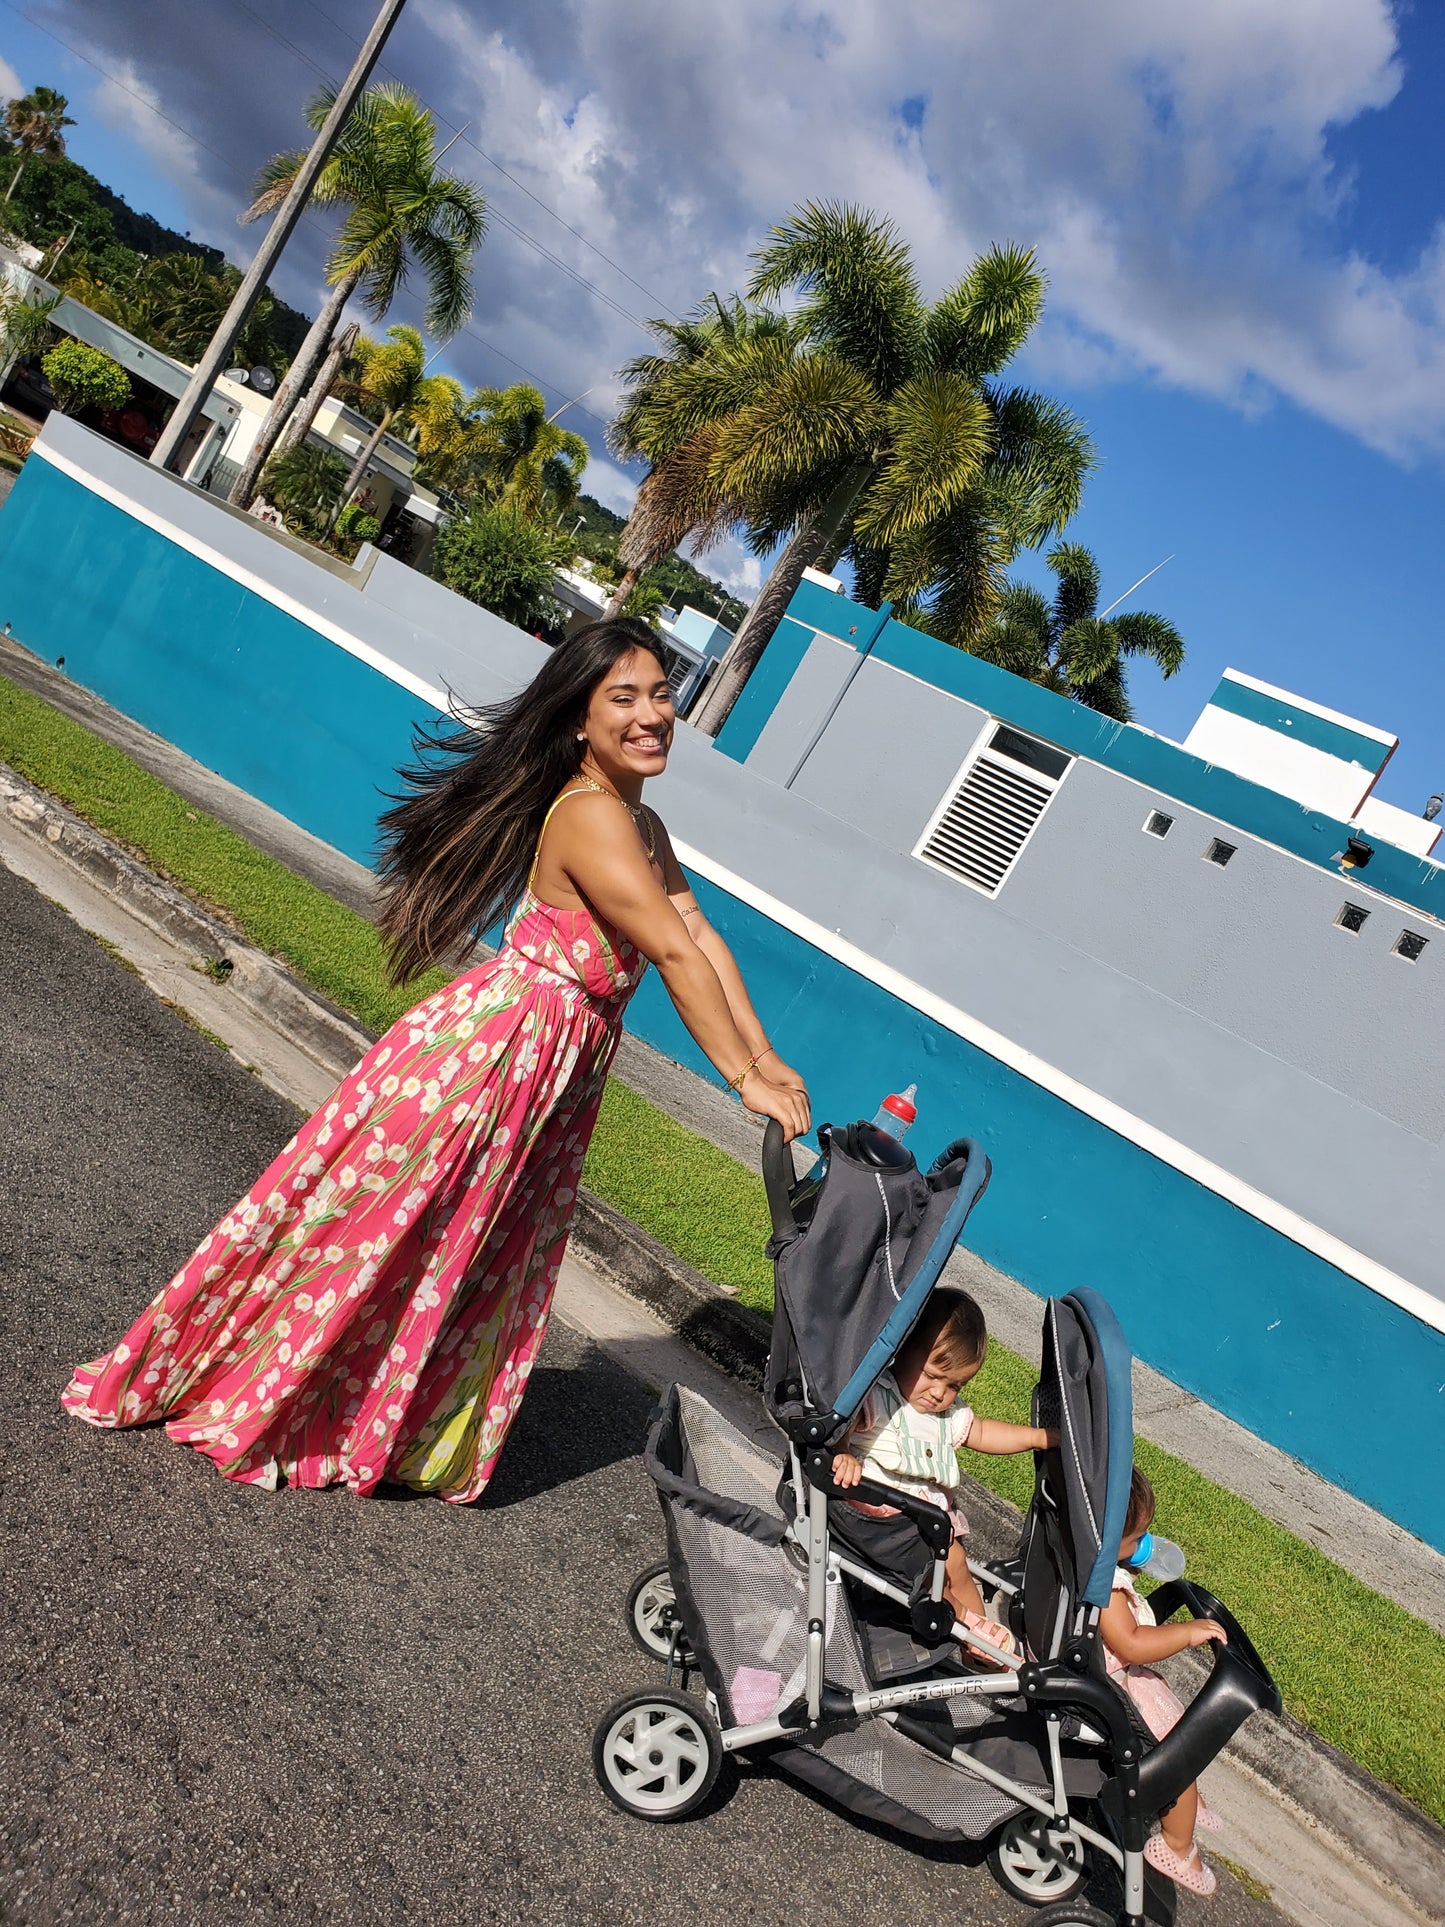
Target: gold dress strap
(556,803)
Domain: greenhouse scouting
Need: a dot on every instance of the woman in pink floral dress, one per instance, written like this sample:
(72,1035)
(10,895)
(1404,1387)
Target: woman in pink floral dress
(372,1308)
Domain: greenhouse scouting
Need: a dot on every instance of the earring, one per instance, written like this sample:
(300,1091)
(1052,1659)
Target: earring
(582,736)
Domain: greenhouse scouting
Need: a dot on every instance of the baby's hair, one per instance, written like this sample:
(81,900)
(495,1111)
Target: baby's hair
(952,1325)
(1141,1504)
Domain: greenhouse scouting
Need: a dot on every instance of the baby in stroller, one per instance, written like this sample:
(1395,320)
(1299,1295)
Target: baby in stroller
(907,1433)
(1133,1642)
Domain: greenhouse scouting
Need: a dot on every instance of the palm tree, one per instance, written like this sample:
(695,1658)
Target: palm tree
(739,348)
(402,211)
(394,380)
(1066,646)
(868,424)
(505,447)
(25,326)
(342,349)
(33,123)
(174,302)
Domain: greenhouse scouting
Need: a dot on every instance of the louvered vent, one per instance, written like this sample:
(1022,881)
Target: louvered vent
(991,812)
(678,673)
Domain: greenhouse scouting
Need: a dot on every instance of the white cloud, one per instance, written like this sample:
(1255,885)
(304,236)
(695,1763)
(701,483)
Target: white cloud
(129,105)
(1170,162)
(613,487)
(10,87)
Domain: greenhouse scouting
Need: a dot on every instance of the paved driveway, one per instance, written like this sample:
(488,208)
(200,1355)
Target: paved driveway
(219,1704)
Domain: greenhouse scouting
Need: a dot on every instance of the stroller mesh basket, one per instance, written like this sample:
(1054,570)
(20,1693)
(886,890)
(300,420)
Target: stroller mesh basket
(742,1596)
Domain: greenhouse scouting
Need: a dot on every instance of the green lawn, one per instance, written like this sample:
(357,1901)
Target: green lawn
(1362,1672)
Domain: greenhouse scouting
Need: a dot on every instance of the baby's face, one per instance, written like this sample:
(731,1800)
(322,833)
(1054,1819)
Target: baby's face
(932,1384)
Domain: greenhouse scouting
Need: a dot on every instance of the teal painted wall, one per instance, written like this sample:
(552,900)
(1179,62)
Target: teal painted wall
(1247,1320)
(1300,725)
(182,648)
(787,646)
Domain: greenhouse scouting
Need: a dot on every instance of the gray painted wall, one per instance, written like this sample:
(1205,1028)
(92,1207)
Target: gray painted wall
(1222,1005)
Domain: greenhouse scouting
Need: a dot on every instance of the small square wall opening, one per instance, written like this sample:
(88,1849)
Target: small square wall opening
(1409,945)
(1156,823)
(1218,852)
(1353,917)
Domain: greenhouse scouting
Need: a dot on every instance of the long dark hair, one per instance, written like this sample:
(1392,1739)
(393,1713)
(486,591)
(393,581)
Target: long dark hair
(458,844)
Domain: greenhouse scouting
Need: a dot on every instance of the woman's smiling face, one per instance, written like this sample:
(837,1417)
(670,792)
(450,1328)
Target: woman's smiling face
(630,719)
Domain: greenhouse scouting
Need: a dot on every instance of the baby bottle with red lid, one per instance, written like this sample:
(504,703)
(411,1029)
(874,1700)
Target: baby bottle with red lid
(897,1112)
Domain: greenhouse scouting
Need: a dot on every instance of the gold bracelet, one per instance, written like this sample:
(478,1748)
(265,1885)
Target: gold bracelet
(736,1083)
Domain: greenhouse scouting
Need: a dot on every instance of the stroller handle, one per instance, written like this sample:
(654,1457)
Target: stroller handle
(779,1177)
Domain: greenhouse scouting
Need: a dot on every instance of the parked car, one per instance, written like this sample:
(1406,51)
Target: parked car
(27,388)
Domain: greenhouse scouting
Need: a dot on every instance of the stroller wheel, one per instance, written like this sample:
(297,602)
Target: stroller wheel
(1037,1863)
(657,1755)
(652,1616)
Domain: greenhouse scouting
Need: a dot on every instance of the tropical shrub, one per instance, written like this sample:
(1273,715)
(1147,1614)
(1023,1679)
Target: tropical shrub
(357,524)
(83,377)
(505,564)
(303,482)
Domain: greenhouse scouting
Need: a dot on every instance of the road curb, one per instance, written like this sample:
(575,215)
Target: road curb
(1374,1825)
(307,1020)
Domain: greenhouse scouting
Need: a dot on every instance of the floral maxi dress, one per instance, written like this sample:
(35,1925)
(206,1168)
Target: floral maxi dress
(371,1310)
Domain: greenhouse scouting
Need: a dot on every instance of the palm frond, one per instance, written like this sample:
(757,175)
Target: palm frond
(1077,596)
(1022,603)
(819,412)
(978,326)
(959,561)
(1042,456)
(940,435)
(1144,634)
(1086,649)
(855,272)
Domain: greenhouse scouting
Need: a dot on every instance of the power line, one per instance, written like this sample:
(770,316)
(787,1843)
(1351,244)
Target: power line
(491,160)
(459,134)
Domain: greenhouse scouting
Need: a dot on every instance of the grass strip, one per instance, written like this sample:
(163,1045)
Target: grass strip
(1365,1674)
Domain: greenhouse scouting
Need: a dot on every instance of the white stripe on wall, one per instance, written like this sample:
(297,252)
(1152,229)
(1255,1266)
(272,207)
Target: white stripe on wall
(1135,1130)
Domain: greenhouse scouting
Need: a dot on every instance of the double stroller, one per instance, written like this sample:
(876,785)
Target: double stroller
(856,1682)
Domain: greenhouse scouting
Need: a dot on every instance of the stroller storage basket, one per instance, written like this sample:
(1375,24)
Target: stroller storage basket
(742,1593)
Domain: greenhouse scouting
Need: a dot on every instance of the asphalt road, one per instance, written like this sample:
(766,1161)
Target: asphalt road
(222,1704)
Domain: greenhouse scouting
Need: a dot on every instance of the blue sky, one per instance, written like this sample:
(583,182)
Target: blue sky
(1241,209)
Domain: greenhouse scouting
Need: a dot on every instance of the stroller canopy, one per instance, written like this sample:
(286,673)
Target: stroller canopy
(850,1286)
(1085,1389)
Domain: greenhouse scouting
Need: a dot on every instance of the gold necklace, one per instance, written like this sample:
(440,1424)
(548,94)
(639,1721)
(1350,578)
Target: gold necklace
(641,816)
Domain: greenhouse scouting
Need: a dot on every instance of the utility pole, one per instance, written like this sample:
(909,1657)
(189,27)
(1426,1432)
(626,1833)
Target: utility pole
(218,355)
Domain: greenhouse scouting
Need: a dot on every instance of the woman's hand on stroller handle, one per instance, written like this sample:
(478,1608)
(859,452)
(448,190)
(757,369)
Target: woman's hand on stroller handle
(787,1103)
(777,1072)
